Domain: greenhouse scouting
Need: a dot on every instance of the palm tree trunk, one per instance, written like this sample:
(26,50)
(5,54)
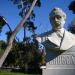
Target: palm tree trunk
(20,25)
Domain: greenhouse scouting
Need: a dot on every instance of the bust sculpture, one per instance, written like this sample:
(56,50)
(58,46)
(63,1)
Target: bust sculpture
(59,38)
(59,47)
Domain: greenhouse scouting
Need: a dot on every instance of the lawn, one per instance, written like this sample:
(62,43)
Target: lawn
(13,73)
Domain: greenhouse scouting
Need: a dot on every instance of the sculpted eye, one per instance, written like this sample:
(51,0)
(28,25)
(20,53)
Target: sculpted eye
(56,16)
(59,17)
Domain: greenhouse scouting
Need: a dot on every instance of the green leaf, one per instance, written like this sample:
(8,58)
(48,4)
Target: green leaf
(2,23)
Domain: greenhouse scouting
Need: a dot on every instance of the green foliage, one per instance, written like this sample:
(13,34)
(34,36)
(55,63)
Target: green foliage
(24,5)
(2,45)
(30,26)
(72,6)
(22,55)
(37,4)
(2,23)
(71,29)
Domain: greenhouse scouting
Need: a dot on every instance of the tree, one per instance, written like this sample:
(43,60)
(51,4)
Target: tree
(72,6)
(14,55)
(20,25)
(24,6)
(23,56)
(2,47)
(71,27)
(2,22)
(31,27)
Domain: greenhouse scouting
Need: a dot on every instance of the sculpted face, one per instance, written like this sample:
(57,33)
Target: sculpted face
(57,18)
(57,21)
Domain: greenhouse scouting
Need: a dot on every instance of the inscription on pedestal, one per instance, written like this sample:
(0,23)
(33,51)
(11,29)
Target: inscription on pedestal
(63,60)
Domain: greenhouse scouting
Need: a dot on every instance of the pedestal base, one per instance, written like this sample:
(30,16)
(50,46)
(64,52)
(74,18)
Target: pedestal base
(63,64)
(58,72)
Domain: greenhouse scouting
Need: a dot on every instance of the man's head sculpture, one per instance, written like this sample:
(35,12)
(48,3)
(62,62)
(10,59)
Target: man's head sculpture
(57,18)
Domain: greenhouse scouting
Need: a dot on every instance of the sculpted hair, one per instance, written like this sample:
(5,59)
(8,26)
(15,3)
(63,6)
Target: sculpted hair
(57,11)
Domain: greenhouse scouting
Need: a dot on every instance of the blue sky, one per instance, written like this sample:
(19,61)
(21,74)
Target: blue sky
(10,12)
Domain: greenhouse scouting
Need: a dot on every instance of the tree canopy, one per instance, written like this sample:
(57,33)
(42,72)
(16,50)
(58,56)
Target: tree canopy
(72,6)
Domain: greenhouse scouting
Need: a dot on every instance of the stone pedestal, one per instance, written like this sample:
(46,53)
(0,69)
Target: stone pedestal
(58,72)
(60,64)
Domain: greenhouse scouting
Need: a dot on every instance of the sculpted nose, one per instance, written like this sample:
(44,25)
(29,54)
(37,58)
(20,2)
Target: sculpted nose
(55,19)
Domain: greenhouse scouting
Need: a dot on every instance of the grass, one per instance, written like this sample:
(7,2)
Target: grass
(14,73)
(11,73)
